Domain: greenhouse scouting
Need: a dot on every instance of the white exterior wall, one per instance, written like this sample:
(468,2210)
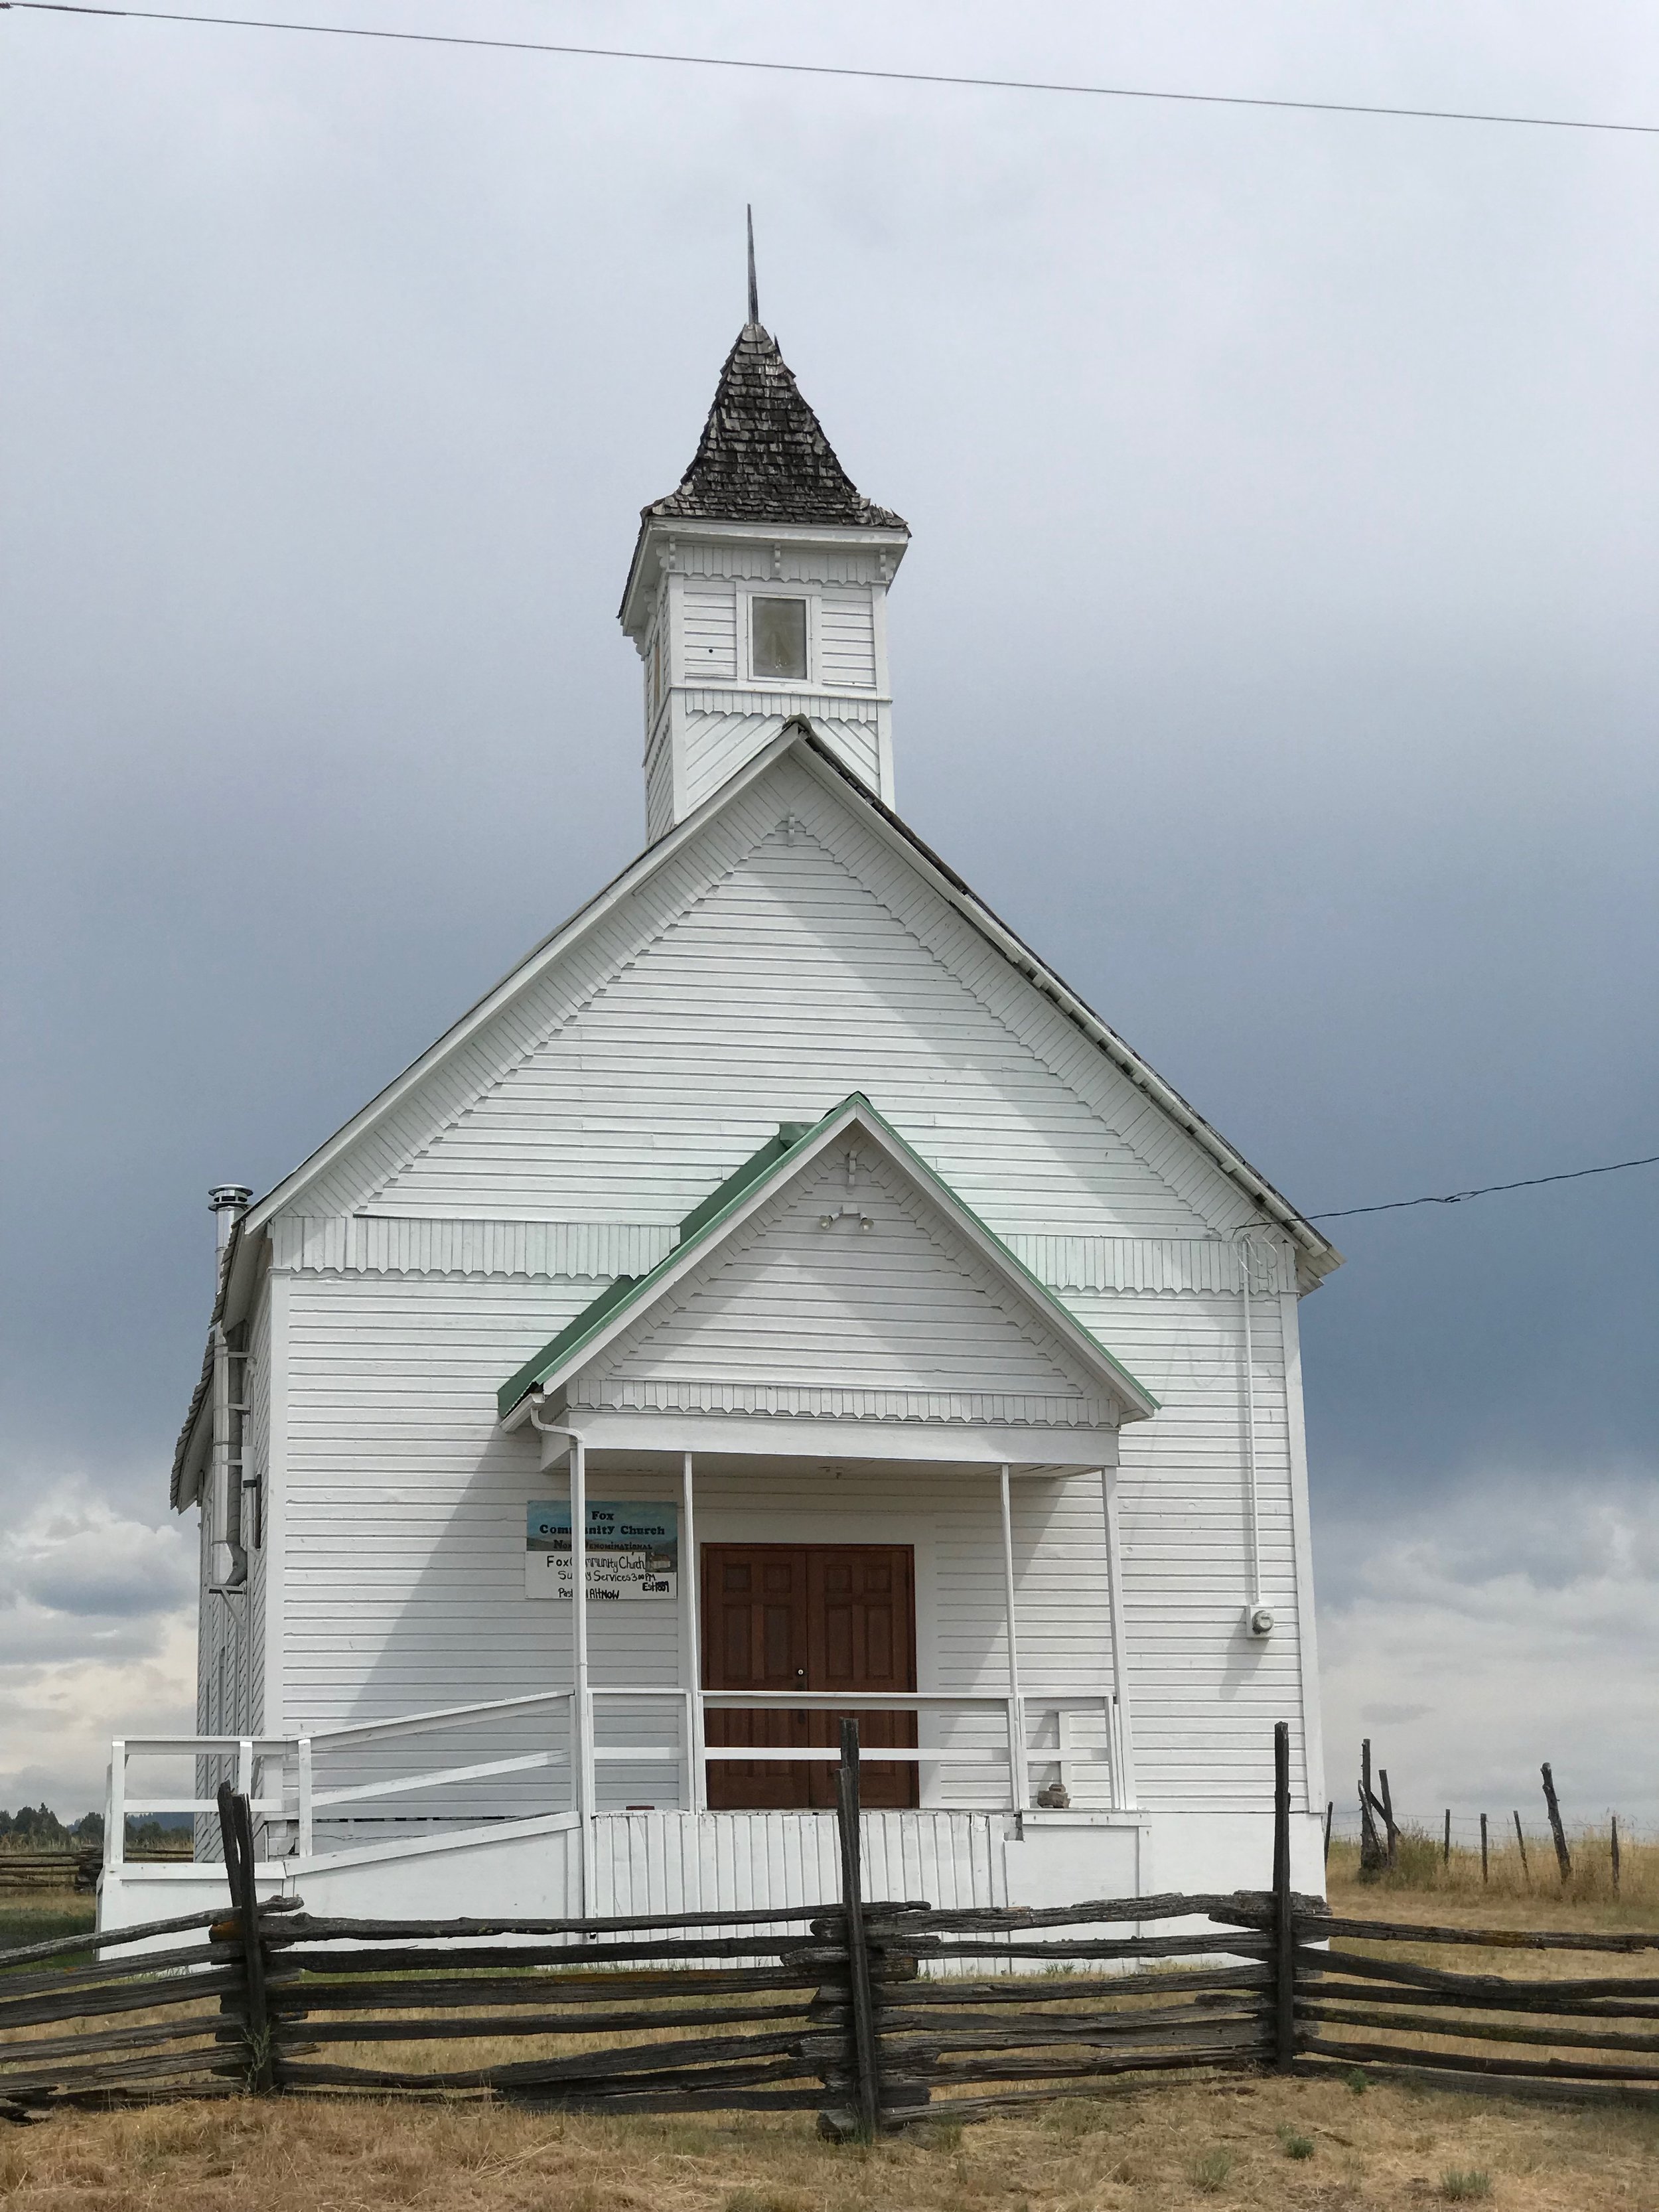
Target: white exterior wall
(406,1529)
(706,715)
(783,959)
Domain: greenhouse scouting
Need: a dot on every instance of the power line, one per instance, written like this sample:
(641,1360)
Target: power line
(833,70)
(1487,1190)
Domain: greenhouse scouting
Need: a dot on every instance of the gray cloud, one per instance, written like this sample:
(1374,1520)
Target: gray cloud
(1276,652)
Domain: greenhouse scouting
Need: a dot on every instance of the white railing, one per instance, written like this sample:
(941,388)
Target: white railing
(277,1773)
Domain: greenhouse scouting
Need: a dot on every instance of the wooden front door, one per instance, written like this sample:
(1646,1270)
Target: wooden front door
(832,1617)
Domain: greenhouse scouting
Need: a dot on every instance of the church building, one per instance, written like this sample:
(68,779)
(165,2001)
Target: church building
(781,1298)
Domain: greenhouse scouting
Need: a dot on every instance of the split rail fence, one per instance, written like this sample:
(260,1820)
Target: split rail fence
(877,2015)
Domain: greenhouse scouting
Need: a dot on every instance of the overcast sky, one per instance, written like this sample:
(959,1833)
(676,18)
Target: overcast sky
(1277,651)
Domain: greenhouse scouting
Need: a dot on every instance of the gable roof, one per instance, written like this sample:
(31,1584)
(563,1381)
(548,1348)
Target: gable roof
(1317,1255)
(732,1203)
(764,456)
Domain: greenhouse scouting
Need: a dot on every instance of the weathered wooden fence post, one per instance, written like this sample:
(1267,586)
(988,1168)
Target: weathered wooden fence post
(1486,1875)
(866,2078)
(236,1835)
(1615,1855)
(1526,1871)
(1284,1910)
(1370,1844)
(1563,1856)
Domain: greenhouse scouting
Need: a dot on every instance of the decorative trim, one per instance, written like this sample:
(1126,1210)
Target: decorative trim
(588,1392)
(379,1245)
(1155,1264)
(598,1251)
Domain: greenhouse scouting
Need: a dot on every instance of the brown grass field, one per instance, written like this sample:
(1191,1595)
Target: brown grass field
(1200,2141)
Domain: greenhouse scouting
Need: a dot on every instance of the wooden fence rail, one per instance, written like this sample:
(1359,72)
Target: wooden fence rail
(874,2014)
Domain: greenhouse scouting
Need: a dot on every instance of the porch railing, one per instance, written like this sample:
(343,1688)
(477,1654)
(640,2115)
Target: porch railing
(278,1774)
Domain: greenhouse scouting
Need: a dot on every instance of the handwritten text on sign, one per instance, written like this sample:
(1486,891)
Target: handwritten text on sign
(633,1552)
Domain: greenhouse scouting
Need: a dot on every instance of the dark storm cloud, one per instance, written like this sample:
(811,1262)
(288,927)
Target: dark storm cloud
(1276,649)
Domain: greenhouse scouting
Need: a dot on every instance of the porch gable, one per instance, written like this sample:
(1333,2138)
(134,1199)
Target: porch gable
(834,1277)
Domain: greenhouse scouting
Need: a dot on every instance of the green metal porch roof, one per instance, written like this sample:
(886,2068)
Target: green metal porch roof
(709,1215)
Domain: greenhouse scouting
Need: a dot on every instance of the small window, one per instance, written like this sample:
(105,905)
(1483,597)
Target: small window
(778,638)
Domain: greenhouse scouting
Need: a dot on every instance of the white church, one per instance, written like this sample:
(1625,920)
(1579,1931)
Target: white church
(781,1298)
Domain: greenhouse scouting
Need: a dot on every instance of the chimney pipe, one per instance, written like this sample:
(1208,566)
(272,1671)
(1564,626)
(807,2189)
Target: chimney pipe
(229,1203)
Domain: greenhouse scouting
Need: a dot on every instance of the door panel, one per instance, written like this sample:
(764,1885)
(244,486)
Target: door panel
(809,1617)
(753,1632)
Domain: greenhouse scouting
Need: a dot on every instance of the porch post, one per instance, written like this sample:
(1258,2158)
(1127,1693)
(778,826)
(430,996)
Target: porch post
(581,1703)
(696,1774)
(1121,1739)
(1019,1770)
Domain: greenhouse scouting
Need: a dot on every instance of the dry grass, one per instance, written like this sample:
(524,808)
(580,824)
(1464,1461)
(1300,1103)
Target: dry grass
(1197,2143)
(1175,2143)
(1421,1867)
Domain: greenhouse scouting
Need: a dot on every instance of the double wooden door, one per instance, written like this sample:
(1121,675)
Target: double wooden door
(801,1617)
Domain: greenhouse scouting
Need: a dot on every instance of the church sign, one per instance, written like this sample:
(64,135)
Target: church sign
(633,1552)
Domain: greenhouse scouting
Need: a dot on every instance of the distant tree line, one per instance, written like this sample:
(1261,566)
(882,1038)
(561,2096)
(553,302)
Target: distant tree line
(38,1828)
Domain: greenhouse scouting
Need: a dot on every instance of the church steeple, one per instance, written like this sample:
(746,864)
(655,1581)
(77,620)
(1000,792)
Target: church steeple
(758,592)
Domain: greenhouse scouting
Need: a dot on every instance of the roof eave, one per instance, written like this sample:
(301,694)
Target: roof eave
(883,538)
(518,979)
(1316,1251)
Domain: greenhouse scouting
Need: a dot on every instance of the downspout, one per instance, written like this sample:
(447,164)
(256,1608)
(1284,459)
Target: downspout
(1258,1616)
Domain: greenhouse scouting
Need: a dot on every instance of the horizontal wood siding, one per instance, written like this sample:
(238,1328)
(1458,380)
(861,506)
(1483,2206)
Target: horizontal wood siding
(421,1244)
(782,959)
(786,985)
(857,742)
(1205,1694)
(659,784)
(256,1447)
(847,640)
(596,1251)
(902,1306)
(710,636)
(404,1553)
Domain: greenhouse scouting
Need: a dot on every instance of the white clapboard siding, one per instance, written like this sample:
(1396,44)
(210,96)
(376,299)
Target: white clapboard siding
(595,1251)
(709,633)
(799,1312)
(787,985)
(659,784)
(855,740)
(962,1008)
(847,640)
(405,1552)
(256,1451)
(430,1244)
(1183,1494)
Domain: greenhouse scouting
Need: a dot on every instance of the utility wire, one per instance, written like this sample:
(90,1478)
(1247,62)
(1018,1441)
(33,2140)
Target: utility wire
(830,69)
(1457,1197)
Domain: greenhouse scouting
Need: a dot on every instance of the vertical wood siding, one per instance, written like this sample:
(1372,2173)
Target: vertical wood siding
(736,1861)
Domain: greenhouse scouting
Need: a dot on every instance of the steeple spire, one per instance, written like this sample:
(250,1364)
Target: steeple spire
(758,591)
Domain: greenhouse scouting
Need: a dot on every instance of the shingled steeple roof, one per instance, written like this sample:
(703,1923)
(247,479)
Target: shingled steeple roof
(764,456)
